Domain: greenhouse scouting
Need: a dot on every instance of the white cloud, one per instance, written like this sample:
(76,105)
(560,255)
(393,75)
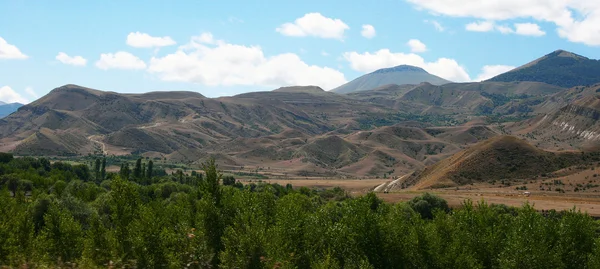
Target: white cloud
(8,95)
(120,60)
(8,51)
(526,29)
(504,29)
(368,31)
(481,26)
(143,40)
(31,92)
(75,60)
(529,29)
(416,45)
(204,38)
(438,26)
(224,64)
(314,24)
(442,67)
(576,20)
(490,71)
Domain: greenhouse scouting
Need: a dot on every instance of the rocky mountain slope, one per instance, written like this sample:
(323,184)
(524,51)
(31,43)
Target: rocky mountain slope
(575,125)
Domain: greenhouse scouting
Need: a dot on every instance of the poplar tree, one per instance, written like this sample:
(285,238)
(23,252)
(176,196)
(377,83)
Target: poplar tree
(103,169)
(149,171)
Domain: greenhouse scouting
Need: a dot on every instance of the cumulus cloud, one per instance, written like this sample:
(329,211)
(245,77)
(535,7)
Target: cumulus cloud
(490,71)
(8,51)
(225,64)
(314,24)
(75,60)
(8,95)
(368,31)
(442,67)
(481,26)
(575,20)
(120,60)
(528,29)
(416,45)
(143,40)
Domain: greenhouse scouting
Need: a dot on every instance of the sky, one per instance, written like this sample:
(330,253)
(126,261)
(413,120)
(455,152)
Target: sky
(225,47)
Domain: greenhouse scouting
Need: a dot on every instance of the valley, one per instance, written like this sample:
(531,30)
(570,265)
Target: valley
(401,127)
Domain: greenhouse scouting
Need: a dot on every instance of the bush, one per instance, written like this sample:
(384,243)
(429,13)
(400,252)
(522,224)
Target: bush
(228,180)
(427,204)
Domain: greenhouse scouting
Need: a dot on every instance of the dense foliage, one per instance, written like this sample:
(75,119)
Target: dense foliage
(55,214)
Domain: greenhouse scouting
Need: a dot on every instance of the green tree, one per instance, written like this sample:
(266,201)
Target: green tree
(125,171)
(6,157)
(228,180)
(427,203)
(210,208)
(97,168)
(61,238)
(149,170)
(97,244)
(103,169)
(137,170)
(123,204)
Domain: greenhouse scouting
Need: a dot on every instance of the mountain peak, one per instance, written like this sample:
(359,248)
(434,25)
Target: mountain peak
(564,53)
(400,68)
(560,68)
(398,75)
(308,89)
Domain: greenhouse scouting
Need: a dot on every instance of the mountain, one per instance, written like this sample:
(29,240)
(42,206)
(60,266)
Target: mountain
(7,109)
(561,68)
(296,130)
(506,158)
(399,75)
(462,99)
(574,123)
(302,130)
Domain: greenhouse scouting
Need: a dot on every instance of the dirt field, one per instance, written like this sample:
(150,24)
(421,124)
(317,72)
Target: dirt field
(591,205)
(586,202)
(353,186)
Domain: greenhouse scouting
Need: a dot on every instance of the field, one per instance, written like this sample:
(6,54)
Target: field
(541,200)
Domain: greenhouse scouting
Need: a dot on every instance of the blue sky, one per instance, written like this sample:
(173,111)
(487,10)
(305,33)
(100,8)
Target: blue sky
(221,48)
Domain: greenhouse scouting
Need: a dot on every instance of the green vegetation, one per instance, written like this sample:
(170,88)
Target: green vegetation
(369,121)
(60,215)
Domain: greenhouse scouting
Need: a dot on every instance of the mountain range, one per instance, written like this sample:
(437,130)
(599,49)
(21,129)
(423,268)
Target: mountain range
(7,109)
(387,130)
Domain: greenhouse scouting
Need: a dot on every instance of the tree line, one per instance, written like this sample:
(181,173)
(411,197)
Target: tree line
(62,215)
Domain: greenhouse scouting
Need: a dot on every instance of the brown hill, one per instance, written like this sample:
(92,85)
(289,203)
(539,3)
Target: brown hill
(499,158)
(391,130)
(457,100)
(575,125)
